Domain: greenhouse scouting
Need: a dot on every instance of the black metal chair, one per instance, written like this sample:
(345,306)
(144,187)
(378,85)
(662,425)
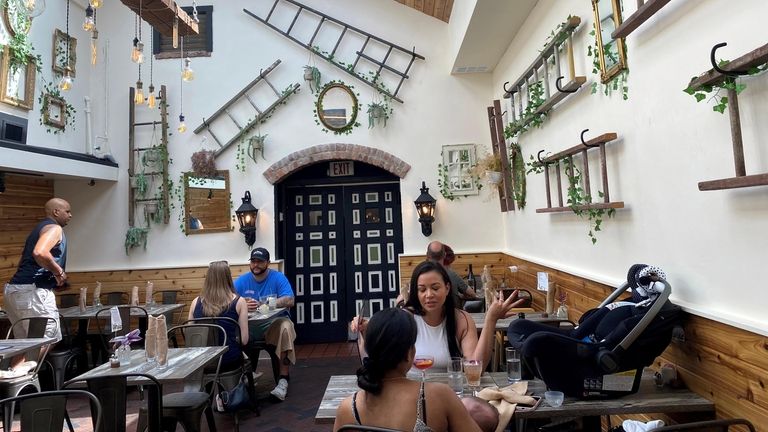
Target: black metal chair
(721,425)
(46,411)
(228,379)
(111,391)
(170,297)
(102,349)
(187,407)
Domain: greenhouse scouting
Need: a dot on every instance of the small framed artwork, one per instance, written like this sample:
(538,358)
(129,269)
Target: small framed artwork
(60,58)
(17,84)
(55,113)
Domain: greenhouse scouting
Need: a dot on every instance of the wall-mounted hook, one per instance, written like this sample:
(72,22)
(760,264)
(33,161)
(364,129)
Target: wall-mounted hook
(583,142)
(506,91)
(716,67)
(560,89)
(538,156)
(504,113)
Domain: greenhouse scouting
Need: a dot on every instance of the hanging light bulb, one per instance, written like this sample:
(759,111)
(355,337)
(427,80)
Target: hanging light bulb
(187,74)
(66,80)
(89,24)
(138,97)
(135,50)
(182,126)
(151,101)
(95,3)
(34,7)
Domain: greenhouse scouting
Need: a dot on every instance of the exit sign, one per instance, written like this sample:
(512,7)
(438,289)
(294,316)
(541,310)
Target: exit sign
(341,169)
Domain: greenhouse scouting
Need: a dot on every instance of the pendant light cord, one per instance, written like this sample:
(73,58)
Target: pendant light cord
(69,57)
(181,79)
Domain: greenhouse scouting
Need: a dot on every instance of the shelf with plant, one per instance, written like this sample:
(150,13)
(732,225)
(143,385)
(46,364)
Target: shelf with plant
(529,88)
(135,237)
(579,198)
(712,92)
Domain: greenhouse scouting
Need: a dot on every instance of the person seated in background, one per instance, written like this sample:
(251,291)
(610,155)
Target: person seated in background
(259,283)
(387,397)
(438,252)
(444,331)
(484,414)
(218,299)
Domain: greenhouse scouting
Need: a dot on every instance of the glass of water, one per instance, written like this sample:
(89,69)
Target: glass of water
(514,373)
(456,375)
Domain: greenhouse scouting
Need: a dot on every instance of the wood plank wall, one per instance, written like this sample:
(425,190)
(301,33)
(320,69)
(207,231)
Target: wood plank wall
(722,363)
(22,206)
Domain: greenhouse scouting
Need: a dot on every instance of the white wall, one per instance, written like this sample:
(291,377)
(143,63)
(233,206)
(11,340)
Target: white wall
(439,109)
(711,244)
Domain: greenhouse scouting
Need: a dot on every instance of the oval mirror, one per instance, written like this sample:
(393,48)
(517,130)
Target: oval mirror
(337,108)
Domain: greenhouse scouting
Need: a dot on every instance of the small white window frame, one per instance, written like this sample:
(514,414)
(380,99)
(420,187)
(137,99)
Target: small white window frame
(459,178)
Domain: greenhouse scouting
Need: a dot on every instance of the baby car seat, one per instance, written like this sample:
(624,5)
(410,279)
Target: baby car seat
(605,354)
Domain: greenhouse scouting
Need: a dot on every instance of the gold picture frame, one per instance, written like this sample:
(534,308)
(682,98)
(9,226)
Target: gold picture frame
(55,114)
(16,20)
(12,83)
(59,46)
(611,52)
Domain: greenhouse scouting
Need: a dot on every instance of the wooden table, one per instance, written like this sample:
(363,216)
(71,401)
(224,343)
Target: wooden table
(90,311)
(184,365)
(502,324)
(258,316)
(341,386)
(648,399)
(13,347)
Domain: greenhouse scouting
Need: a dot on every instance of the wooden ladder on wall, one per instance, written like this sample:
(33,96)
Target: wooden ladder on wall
(716,76)
(579,149)
(135,160)
(260,115)
(519,93)
(345,30)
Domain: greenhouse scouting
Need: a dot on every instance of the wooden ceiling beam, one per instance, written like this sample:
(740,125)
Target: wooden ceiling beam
(160,14)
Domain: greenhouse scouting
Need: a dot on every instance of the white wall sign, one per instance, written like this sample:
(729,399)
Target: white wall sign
(542,279)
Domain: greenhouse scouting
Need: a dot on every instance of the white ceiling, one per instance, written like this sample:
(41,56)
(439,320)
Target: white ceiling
(493,25)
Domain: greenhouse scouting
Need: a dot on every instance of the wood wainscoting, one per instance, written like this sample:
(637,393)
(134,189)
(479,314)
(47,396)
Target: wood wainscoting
(725,364)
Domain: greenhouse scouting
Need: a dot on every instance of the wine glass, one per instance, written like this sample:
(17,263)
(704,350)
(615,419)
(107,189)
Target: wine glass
(473,369)
(422,363)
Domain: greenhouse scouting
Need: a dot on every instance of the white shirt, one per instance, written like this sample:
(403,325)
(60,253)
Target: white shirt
(432,341)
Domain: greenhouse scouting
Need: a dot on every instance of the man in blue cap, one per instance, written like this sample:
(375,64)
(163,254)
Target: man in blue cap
(260,283)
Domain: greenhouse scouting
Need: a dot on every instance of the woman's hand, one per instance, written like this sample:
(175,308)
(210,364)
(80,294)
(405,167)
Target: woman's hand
(358,325)
(499,309)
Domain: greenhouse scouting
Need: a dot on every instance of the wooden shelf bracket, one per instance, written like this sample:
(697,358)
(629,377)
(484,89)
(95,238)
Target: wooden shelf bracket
(644,11)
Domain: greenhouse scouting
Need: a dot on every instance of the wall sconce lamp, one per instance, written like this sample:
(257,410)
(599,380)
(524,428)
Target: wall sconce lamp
(425,207)
(246,217)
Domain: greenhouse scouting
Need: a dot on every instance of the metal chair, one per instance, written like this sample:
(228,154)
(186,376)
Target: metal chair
(187,407)
(170,297)
(111,391)
(228,379)
(722,425)
(115,298)
(36,328)
(47,411)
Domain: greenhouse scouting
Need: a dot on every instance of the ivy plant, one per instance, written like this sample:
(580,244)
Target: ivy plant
(728,83)
(351,124)
(617,83)
(577,198)
(51,91)
(517,164)
(530,117)
(134,237)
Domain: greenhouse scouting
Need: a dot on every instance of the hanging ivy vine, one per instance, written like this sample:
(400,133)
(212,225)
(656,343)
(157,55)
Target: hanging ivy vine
(577,197)
(530,117)
(51,92)
(618,82)
(728,83)
(517,164)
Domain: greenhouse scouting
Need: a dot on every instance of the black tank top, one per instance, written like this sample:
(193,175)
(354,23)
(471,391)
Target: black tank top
(29,270)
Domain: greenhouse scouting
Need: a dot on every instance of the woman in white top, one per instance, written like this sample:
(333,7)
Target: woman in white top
(443,330)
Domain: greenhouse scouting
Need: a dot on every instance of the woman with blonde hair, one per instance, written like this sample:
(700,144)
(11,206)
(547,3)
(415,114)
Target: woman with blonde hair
(219,299)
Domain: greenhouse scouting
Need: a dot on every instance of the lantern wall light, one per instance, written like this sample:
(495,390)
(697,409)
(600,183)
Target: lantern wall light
(425,208)
(246,217)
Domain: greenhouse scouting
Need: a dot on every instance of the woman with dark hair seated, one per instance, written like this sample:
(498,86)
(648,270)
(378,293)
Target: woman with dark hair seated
(218,299)
(444,331)
(388,398)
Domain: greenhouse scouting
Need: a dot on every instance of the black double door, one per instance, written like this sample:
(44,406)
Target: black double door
(341,251)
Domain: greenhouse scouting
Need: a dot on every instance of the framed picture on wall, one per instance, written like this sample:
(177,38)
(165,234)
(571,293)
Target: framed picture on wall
(17,85)
(55,114)
(60,59)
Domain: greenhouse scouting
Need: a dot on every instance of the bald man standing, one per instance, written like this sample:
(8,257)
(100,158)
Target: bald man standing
(41,270)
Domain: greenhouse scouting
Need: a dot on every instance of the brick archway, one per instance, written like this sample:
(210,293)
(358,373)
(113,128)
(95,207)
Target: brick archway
(327,152)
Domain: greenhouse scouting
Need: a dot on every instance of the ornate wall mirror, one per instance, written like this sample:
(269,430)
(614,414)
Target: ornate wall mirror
(337,107)
(17,82)
(610,51)
(59,55)
(207,203)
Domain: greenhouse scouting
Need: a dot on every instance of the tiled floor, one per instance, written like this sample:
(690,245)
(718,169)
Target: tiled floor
(309,377)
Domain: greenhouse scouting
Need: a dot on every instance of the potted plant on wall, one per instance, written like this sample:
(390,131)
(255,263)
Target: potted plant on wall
(312,78)
(204,163)
(488,167)
(378,112)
